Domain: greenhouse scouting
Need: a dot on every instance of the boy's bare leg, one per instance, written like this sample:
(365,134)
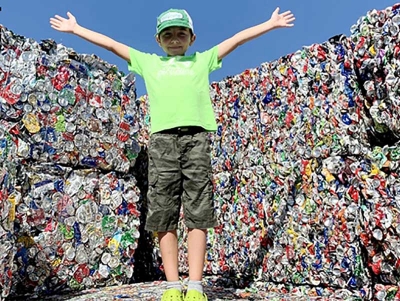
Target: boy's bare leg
(196,253)
(169,254)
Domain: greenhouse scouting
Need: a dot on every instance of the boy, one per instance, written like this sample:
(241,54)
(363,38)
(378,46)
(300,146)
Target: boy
(181,117)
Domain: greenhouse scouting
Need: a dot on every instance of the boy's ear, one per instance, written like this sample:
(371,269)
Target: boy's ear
(192,40)
(158,40)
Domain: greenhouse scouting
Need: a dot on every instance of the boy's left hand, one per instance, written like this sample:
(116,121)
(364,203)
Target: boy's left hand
(282,20)
(277,21)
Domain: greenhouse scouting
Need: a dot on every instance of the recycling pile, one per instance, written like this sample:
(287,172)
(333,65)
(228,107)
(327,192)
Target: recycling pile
(69,109)
(305,161)
(70,137)
(377,56)
(8,197)
(377,51)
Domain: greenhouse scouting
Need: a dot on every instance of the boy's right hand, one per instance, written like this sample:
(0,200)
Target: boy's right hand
(70,25)
(65,25)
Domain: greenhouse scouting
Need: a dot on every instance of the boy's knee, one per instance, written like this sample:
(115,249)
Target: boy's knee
(163,233)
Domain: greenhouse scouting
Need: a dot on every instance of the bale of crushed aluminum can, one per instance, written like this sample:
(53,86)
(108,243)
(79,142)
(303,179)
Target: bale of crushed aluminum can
(285,131)
(9,196)
(71,109)
(75,229)
(74,124)
(376,52)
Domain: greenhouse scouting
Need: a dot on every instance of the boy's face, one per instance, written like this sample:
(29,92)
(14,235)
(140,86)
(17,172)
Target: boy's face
(175,40)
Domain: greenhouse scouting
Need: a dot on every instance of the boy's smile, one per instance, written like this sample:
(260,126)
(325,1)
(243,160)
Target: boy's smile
(175,40)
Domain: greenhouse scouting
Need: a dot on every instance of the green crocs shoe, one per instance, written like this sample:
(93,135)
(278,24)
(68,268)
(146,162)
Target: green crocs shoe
(172,294)
(194,295)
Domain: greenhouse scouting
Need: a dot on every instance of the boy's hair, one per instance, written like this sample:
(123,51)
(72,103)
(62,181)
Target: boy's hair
(174,17)
(191,31)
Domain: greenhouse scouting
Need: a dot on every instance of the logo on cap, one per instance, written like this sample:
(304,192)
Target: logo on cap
(170,16)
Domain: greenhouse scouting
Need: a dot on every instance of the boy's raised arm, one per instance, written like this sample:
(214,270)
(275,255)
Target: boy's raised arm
(70,25)
(277,20)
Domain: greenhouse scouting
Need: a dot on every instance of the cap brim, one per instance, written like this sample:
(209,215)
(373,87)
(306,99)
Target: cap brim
(172,24)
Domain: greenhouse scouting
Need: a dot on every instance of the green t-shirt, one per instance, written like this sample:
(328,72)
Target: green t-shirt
(178,88)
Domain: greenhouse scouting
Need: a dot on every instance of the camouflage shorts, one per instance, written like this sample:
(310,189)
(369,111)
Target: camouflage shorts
(180,174)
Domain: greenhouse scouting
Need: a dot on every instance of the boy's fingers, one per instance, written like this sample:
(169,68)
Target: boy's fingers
(59,18)
(54,21)
(287,13)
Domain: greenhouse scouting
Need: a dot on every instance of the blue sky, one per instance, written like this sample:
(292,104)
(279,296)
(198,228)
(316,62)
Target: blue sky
(133,23)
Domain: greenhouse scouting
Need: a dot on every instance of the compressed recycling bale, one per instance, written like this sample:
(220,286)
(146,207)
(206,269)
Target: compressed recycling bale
(70,109)
(9,196)
(75,229)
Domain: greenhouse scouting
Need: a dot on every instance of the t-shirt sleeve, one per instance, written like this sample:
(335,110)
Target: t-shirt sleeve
(138,61)
(211,56)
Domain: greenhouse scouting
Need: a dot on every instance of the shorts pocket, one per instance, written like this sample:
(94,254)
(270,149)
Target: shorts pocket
(210,184)
(152,190)
(152,175)
(152,178)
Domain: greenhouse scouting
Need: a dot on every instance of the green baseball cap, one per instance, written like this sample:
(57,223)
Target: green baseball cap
(174,17)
